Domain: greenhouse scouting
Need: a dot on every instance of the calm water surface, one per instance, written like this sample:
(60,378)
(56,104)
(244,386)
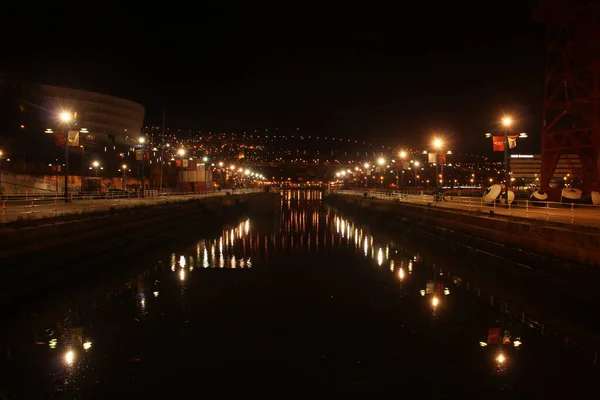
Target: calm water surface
(304,303)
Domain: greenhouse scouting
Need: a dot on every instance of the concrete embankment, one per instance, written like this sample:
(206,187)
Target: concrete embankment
(564,246)
(33,259)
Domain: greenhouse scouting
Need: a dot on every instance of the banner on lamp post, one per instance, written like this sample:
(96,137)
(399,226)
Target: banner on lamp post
(59,138)
(73,138)
(498,142)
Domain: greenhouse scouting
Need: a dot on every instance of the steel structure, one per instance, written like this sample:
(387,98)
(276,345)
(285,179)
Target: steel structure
(571,109)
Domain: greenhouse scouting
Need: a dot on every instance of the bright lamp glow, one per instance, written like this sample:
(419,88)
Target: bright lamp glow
(437,143)
(507,121)
(65,116)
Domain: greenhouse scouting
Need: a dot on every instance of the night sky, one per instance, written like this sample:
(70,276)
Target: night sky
(397,74)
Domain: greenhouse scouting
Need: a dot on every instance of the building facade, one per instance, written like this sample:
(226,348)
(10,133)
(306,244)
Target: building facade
(526,170)
(109,127)
(105,119)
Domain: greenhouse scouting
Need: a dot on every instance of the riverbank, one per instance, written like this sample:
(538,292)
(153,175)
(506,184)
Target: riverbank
(37,258)
(564,246)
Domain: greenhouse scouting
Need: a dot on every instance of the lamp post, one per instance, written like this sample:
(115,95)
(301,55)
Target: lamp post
(437,144)
(181,153)
(205,160)
(367,166)
(82,159)
(1,172)
(95,165)
(401,173)
(416,164)
(142,141)
(506,122)
(66,118)
(124,178)
(381,162)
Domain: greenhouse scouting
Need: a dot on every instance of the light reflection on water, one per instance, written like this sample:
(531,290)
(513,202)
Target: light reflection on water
(70,345)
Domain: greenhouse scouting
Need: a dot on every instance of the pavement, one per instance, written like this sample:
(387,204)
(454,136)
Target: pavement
(579,214)
(12,210)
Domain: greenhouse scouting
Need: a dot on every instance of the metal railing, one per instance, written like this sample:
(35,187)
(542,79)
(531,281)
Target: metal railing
(570,213)
(51,205)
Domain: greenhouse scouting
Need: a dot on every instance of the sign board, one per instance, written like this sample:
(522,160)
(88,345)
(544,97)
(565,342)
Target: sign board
(521,156)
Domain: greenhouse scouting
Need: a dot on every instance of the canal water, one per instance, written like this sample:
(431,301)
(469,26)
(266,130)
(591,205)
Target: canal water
(305,302)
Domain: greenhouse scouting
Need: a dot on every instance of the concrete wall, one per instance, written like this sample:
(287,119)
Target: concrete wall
(567,243)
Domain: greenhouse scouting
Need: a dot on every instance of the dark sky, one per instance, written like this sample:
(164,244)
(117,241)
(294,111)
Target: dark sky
(397,74)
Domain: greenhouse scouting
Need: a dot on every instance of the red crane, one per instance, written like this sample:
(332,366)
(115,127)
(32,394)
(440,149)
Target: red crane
(571,110)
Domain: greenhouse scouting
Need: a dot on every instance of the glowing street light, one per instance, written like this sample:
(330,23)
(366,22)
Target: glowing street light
(95,165)
(181,152)
(416,165)
(507,122)
(400,176)
(66,116)
(381,161)
(437,144)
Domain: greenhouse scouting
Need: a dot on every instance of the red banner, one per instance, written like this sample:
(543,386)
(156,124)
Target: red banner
(498,143)
(442,158)
(493,336)
(178,163)
(59,138)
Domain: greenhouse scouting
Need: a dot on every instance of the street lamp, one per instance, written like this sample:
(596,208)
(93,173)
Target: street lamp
(142,141)
(1,191)
(401,173)
(66,118)
(437,144)
(124,170)
(95,165)
(506,122)
(416,164)
(381,162)
(205,160)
